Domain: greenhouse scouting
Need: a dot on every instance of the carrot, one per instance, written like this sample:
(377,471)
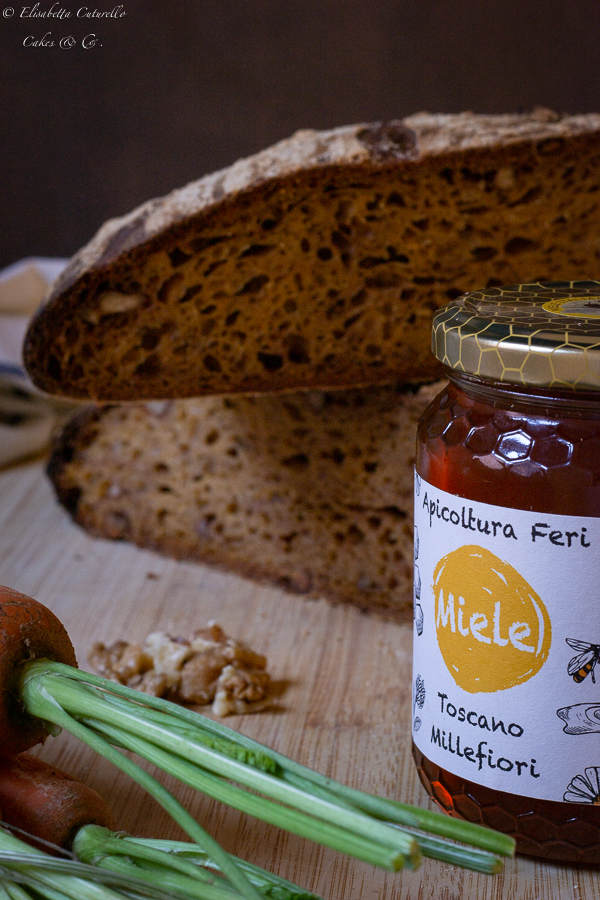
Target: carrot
(28,630)
(46,802)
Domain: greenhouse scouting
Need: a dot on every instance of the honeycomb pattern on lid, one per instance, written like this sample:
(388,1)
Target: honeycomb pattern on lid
(545,334)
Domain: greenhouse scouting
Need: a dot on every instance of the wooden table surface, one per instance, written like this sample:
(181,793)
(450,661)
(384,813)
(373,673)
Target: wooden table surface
(343,705)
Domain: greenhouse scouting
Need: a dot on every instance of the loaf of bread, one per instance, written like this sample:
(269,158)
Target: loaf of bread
(311,491)
(319,261)
(254,293)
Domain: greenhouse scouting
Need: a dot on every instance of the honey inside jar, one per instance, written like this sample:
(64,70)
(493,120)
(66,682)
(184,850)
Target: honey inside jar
(506,722)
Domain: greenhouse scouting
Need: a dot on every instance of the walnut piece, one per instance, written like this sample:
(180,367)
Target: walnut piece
(237,688)
(209,668)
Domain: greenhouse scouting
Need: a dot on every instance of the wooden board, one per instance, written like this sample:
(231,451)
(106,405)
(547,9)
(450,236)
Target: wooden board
(343,704)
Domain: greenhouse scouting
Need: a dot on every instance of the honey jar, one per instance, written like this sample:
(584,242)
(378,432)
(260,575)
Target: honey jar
(506,679)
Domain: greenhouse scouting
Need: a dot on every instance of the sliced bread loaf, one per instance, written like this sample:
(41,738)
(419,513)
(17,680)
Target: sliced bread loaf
(309,491)
(319,262)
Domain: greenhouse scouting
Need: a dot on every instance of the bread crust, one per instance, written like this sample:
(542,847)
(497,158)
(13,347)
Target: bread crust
(103,332)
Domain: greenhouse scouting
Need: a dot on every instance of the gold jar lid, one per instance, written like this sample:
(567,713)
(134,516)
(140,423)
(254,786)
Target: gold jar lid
(544,335)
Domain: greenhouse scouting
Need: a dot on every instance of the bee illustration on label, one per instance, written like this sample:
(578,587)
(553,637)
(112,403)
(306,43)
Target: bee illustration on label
(585,662)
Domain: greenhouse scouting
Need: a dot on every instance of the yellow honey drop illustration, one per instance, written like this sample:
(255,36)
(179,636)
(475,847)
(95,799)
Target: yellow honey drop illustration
(493,630)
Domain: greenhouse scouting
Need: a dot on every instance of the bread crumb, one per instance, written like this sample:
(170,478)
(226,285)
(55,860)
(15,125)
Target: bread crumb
(209,668)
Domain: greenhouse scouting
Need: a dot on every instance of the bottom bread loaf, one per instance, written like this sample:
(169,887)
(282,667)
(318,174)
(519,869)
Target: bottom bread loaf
(311,492)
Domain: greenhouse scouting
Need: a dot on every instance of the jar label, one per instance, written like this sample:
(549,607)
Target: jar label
(506,644)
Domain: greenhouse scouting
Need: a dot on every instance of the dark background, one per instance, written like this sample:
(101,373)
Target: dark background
(178,89)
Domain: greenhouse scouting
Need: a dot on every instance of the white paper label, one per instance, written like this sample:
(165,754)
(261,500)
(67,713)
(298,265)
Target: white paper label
(506,643)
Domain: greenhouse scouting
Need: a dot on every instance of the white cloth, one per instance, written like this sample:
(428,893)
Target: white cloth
(27,416)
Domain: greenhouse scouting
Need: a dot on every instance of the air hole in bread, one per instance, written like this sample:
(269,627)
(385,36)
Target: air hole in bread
(150,366)
(256,250)
(212,363)
(178,256)
(254,284)
(150,338)
(190,293)
(297,349)
(519,245)
(296,461)
(483,253)
(270,361)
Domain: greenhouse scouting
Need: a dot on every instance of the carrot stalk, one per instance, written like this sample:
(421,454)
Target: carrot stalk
(23,867)
(178,884)
(389,855)
(97,845)
(176,740)
(149,874)
(197,766)
(102,848)
(307,779)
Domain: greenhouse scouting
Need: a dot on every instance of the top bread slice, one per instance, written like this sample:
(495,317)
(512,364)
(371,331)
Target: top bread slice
(319,262)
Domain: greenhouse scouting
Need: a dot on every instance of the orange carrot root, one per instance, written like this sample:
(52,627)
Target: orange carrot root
(27,631)
(48,803)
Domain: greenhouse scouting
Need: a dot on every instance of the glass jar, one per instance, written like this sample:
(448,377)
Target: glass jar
(506,708)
